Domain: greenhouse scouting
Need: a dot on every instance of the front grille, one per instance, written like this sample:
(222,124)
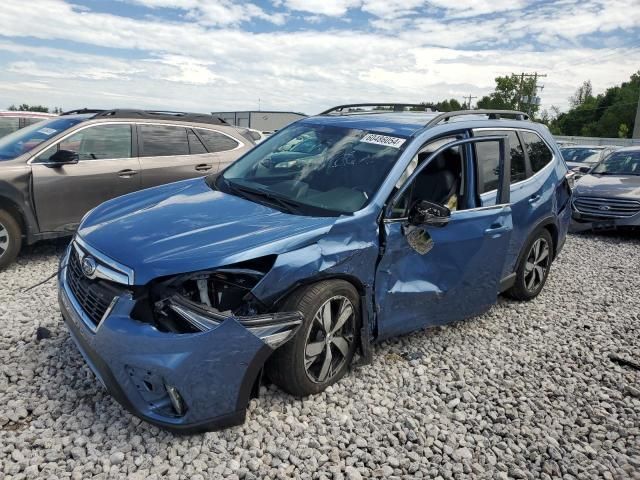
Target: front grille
(93,296)
(606,207)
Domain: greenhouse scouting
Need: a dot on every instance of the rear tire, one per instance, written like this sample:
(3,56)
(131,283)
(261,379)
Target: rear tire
(10,239)
(323,348)
(533,267)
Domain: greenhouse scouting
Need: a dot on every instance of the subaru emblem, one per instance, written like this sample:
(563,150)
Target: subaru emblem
(89,267)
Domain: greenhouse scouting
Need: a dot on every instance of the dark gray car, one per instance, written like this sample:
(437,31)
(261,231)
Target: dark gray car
(609,196)
(52,173)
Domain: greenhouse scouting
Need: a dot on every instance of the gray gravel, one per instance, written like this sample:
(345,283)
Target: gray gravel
(525,391)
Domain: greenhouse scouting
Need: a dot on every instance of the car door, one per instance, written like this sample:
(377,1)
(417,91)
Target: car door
(169,153)
(430,275)
(523,194)
(106,169)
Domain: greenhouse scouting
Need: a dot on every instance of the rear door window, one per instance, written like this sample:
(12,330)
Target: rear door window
(195,145)
(539,153)
(216,141)
(488,154)
(163,140)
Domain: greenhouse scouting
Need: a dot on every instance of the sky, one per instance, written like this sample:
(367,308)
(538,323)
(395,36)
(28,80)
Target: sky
(305,55)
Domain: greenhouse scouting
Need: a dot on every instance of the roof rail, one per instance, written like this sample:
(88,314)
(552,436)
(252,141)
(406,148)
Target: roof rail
(162,115)
(79,111)
(492,114)
(396,107)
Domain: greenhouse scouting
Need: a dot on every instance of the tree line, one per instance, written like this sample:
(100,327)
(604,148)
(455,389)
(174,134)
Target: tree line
(608,114)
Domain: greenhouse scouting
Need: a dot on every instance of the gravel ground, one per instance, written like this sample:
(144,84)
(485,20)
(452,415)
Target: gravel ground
(525,391)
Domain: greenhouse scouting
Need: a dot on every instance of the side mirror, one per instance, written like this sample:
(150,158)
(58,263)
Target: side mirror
(62,157)
(428,213)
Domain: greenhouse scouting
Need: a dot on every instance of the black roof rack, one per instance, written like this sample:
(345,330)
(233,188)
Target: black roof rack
(162,115)
(82,110)
(492,114)
(397,107)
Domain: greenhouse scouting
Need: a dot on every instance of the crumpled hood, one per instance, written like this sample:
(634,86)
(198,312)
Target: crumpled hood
(609,186)
(186,226)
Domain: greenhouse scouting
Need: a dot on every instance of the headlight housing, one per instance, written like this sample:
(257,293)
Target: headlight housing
(199,302)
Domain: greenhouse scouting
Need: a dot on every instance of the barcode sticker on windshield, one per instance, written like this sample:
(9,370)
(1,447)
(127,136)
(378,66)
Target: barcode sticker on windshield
(47,131)
(384,140)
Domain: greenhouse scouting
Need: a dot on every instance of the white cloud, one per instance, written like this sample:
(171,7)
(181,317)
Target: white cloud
(333,8)
(192,66)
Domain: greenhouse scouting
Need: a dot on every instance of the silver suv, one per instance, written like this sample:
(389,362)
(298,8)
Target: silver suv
(52,173)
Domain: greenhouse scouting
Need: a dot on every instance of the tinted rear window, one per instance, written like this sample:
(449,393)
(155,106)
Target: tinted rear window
(489,155)
(217,142)
(539,153)
(164,140)
(8,125)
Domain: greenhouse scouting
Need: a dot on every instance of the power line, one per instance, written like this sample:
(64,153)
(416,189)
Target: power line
(470,97)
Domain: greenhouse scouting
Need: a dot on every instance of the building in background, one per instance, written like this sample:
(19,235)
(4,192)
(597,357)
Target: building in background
(265,121)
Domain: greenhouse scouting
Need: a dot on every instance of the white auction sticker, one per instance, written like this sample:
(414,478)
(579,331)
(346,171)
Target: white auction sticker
(385,140)
(47,131)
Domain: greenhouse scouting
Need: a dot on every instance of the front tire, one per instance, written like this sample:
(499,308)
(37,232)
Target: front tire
(10,239)
(322,350)
(533,267)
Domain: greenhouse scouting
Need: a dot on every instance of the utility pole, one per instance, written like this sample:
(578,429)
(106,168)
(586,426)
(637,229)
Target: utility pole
(532,93)
(468,102)
(636,124)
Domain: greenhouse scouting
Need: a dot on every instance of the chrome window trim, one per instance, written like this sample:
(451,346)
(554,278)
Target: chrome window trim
(241,144)
(117,273)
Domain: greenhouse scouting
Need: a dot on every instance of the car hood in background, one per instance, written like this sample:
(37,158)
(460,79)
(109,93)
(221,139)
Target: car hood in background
(186,226)
(627,186)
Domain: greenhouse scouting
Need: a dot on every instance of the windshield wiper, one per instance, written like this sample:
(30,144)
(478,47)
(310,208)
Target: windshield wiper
(286,204)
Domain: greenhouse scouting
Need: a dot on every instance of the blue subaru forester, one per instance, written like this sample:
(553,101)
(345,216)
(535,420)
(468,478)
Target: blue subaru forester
(340,230)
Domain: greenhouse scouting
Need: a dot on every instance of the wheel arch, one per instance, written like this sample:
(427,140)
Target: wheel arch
(16,212)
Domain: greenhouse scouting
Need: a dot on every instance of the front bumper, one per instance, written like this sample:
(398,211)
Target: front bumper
(581,222)
(214,372)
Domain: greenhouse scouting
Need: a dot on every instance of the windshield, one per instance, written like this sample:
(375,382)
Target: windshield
(619,163)
(581,155)
(25,139)
(316,169)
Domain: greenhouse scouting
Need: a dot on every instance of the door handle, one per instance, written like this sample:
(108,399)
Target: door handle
(203,167)
(127,173)
(497,229)
(534,198)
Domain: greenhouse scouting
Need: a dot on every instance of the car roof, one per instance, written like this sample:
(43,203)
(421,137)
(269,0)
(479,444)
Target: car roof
(633,148)
(23,113)
(408,123)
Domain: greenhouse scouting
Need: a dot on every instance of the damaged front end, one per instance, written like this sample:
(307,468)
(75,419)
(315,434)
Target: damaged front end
(185,352)
(200,302)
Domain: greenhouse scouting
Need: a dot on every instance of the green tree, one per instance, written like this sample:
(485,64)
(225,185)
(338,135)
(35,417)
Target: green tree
(601,115)
(29,108)
(511,93)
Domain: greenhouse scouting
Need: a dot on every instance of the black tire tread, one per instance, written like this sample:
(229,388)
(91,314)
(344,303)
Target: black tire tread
(284,367)
(15,238)
(519,291)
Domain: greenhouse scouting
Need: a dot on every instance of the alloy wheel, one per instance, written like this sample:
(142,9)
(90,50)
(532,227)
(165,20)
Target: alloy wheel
(330,339)
(4,239)
(537,266)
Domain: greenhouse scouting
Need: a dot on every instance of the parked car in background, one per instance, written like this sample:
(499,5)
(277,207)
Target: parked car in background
(581,158)
(608,197)
(337,231)
(11,120)
(53,172)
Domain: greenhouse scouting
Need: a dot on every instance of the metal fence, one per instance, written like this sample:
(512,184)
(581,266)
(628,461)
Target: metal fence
(621,142)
